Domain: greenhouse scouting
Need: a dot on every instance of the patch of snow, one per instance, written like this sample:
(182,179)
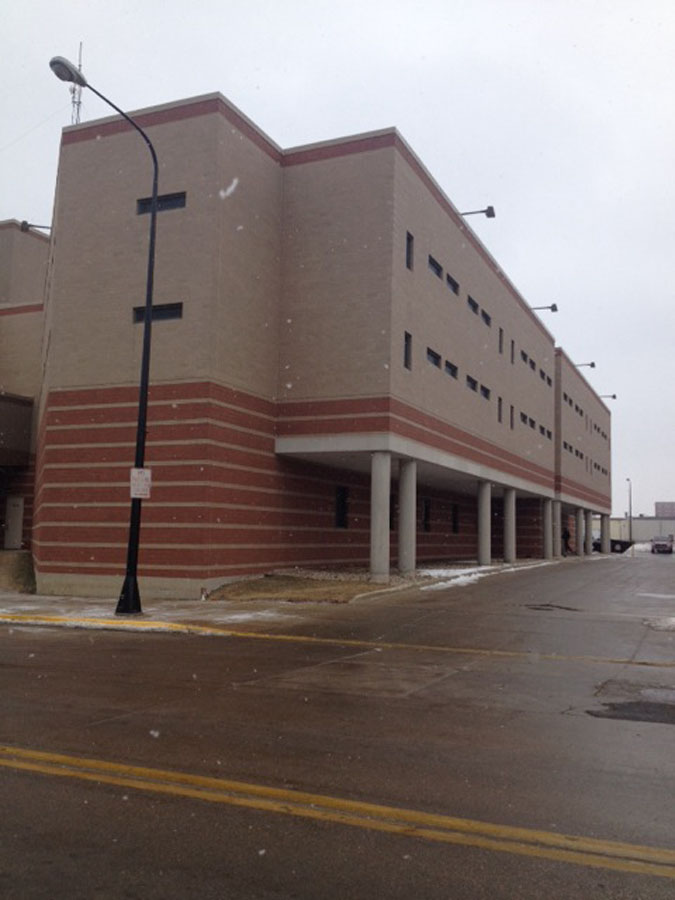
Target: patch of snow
(662,624)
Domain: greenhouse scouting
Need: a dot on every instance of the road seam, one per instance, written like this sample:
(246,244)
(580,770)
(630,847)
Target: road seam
(154,626)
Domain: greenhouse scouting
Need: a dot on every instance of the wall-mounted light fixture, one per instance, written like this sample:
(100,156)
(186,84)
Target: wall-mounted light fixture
(488,212)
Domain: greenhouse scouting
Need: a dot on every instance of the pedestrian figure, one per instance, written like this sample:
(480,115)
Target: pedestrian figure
(566,541)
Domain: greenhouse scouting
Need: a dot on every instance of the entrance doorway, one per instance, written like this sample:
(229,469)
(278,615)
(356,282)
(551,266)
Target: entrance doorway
(13,522)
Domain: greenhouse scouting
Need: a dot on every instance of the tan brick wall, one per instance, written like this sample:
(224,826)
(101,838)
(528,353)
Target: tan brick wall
(23,265)
(20,350)
(584,439)
(334,337)
(440,319)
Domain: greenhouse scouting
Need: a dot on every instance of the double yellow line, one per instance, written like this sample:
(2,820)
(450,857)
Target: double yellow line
(544,845)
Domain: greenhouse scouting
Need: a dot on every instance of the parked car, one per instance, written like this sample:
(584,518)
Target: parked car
(662,544)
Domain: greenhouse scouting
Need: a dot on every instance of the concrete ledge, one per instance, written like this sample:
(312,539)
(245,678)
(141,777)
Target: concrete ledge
(16,571)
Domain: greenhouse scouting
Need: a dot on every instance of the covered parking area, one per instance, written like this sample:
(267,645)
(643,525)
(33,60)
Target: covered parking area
(513,515)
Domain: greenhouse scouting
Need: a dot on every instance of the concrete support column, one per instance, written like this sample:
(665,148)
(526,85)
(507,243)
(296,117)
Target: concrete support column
(407,516)
(588,544)
(579,541)
(604,535)
(557,528)
(547,511)
(380,488)
(509,525)
(484,523)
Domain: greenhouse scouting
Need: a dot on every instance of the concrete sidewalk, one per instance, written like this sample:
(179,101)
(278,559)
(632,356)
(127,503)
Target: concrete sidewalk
(226,616)
(176,616)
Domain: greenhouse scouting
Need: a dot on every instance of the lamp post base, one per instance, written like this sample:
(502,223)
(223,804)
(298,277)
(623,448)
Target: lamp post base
(129,603)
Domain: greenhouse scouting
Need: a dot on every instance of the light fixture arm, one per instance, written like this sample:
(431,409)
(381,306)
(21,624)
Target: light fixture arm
(488,212)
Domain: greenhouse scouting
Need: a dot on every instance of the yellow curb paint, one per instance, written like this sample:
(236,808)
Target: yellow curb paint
(214,631)
(590,852)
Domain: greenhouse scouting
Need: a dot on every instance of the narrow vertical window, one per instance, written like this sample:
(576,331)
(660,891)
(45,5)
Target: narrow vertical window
(499,409)
(501,340)
(341,506)
(513,352)
(409,250)
(407,350)
(426,514)
(512,418)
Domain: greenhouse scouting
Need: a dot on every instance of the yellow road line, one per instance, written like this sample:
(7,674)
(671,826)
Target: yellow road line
(157,626)
(582,851)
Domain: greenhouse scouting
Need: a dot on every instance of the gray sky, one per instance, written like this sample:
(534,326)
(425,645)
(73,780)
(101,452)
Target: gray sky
(559,113)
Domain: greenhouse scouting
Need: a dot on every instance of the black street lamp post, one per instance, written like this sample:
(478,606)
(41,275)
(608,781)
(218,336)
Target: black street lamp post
(130,599)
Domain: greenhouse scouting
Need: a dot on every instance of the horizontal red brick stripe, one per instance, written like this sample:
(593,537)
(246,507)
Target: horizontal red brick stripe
(333,426)
(320,517)
(405,411)
(335,150)
(203,410)
(457,440)
(21,310)
(163,393)
(210,106)
(203,558)
(198,453)
(520,469)
(567,486)
(183,538)
(318,408)
(204,433)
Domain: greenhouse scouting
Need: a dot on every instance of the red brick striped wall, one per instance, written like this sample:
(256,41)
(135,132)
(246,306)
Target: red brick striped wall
(388,414)
(529,527)
(223,503)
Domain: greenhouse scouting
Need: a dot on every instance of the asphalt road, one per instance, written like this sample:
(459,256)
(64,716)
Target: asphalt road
(511,738)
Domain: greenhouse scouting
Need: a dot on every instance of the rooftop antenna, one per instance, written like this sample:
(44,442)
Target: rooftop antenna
(76,93)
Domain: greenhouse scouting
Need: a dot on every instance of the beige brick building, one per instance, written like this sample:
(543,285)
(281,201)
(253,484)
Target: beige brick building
(341,373)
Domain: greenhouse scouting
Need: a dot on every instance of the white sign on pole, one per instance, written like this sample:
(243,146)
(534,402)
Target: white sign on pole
(141,482)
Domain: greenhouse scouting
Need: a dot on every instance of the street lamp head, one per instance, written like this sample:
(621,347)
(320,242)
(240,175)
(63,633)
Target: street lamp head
(66,71)
(490,212)
(554,307)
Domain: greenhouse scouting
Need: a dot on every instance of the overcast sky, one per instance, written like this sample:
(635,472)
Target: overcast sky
(560,113)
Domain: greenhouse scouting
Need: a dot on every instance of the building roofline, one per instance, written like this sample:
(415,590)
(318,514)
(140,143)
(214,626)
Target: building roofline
(15,224)
(175,111)
(573,368)
(215,102)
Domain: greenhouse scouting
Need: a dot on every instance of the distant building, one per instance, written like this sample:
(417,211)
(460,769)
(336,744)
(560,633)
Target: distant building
(644,528)
(341,373)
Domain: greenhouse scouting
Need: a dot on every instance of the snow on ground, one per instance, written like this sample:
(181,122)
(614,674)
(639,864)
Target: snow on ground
(457,577)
